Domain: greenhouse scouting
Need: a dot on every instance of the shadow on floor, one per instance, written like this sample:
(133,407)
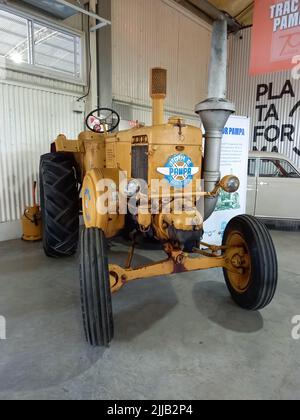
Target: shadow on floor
(212,299)
(141,304)
(44,352)
(141,314)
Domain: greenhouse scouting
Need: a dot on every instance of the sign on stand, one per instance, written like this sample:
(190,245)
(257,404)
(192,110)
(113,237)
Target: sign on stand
(234,161)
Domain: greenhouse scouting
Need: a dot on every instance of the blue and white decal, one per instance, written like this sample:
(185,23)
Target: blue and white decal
(179,170)
(87,199)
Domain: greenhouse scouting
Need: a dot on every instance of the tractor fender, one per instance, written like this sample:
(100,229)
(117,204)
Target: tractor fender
(100,201)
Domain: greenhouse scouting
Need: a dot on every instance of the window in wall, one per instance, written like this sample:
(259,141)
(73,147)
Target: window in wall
(30,42)
(14,38)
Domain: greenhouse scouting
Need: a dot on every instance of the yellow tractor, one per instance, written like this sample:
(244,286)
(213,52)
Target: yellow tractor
(159,181)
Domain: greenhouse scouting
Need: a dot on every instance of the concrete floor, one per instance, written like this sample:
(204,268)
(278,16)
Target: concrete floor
(175,338)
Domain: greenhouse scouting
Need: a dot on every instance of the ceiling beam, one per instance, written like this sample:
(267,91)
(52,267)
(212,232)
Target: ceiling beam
(211,12)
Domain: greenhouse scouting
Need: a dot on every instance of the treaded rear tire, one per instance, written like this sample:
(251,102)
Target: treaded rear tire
(96,299)
(264,265)
(59,204)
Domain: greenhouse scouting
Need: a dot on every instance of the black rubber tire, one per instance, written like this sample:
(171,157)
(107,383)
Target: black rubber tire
(59,204)
(264,265)
(96,301)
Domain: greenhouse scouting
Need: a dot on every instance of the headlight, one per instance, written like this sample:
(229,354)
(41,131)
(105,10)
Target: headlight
(132,188)
(230,183)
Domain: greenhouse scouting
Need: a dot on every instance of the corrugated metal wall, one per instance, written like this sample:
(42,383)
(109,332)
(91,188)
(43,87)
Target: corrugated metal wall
(156,33)
(33,111)
(242,89)
(143,114)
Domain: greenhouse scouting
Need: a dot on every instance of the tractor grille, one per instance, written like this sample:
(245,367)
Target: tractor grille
(139,162)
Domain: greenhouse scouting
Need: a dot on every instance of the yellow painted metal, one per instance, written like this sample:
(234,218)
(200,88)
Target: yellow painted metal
(95,203)
(118,152)
(114,150)
(185,221)
(158,111)
(99,154)
(178,262)
(32,221)
(104,158)
(64,145)
(239,281)
(88,149)
(32,224)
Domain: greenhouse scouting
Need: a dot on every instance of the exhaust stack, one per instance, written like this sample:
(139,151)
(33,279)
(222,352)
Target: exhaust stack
(214,113)
(158,92)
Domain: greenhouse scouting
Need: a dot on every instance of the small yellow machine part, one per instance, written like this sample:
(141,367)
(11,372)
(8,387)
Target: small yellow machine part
(32,221)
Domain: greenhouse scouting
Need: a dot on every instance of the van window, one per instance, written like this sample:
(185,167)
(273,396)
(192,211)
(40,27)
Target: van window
(277,168)
(252,167)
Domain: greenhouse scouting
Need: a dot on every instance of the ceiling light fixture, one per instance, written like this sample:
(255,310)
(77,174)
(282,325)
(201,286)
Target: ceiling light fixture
(16,57)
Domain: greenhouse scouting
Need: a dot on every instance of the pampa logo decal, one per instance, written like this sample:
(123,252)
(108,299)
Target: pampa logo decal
(179,170)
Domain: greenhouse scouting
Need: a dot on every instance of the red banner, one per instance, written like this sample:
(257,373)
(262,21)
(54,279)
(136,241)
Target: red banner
(275,36)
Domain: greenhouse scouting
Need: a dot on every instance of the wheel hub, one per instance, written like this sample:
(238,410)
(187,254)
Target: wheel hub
(240,282)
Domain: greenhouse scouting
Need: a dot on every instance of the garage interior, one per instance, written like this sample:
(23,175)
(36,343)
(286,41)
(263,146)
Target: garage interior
(178,337)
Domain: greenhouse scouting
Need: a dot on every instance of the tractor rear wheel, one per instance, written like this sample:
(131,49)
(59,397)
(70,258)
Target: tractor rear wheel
(59,204)
(255,288)
(95,289)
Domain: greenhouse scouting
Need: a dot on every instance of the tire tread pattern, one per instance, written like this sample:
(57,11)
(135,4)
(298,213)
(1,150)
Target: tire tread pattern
(59,204)
(264,264)
(96,299)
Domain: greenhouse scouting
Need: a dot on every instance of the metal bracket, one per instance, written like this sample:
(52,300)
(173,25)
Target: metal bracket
(102,22)
(64,145)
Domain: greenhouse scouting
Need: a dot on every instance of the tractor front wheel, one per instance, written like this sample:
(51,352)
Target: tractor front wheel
(95,289)
(255,288)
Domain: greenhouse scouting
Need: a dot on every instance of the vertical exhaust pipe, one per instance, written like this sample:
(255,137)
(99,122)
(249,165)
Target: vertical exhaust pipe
(214,113)
(158,92)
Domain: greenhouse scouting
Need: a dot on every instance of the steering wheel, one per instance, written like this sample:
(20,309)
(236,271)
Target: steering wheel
(102,120)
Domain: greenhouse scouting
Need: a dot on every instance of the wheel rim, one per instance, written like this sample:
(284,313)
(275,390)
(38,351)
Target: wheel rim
(239,282)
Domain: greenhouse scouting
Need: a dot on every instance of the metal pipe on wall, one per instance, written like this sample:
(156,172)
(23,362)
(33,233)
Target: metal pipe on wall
(104,48)
(217,82)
